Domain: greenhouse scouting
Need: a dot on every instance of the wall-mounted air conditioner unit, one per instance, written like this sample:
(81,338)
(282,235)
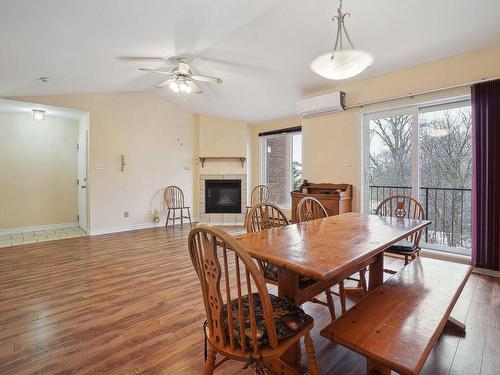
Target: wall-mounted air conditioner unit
(321,104)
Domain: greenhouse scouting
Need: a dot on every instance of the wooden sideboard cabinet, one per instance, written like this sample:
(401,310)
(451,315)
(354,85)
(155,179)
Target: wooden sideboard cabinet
(335,197)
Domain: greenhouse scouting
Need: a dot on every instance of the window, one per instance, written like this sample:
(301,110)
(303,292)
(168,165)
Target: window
(424,152)
(282,165)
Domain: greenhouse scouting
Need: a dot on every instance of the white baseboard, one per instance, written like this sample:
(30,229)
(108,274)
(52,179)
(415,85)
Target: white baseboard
(37,228)
(457,258)
(484,271)
(442,255)
(126,228)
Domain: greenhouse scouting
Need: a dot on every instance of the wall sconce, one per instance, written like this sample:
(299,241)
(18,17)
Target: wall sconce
(38,115)
(123,162)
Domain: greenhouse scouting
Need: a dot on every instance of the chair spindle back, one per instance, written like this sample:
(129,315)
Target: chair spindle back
(223,266)
(402,206)
(309,208)
(260,194)
(173,197)
(265,216)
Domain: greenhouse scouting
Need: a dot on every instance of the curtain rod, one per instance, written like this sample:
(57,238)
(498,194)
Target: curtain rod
(293,129)
(412,95)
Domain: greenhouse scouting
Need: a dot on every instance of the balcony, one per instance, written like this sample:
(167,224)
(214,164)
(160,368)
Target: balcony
(449,209)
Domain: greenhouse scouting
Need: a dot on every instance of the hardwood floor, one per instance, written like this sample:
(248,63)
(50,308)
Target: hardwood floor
(130,303)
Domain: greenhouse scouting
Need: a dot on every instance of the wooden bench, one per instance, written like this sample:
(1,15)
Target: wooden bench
(396,326)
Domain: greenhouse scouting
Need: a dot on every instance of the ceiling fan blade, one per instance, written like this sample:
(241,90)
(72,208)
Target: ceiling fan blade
(196,89)
(165,83)
(206,79)
(156,71)
(142,58)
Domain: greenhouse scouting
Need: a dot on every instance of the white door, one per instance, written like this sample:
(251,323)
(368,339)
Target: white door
(82,179)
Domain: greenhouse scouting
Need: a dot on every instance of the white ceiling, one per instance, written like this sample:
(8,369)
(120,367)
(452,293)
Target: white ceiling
(260,48)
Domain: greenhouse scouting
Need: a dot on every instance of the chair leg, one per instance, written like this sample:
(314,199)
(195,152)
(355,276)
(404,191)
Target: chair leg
(182,218)
(331,306)
(189,216)
(311,354)
(342,297)
(168,215)
(173,218)
(210,363)
(406,260)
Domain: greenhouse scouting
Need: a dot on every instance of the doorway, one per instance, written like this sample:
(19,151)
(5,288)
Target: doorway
(44,171)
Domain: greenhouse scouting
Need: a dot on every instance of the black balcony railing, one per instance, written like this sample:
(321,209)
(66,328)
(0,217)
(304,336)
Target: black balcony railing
(449,209)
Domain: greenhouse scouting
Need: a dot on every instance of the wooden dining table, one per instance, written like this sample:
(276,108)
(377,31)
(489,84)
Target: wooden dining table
(328,250)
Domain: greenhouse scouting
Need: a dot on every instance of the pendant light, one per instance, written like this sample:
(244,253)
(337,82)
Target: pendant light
(341,63)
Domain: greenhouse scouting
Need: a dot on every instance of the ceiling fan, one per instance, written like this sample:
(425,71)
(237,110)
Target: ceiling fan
(180,77)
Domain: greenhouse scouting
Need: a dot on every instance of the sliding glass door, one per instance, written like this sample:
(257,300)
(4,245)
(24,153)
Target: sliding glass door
(424,152)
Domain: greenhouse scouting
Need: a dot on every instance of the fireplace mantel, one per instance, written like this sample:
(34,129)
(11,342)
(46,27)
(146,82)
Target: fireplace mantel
(205,158)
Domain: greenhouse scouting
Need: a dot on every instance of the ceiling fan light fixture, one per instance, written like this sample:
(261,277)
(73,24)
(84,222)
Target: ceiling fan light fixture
(341,63)
(184,87)
(174,87)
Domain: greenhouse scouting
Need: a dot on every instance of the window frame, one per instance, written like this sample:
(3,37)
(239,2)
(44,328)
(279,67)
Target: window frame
(263,156)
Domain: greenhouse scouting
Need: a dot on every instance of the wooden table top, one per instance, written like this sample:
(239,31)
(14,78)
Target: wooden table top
(324,248)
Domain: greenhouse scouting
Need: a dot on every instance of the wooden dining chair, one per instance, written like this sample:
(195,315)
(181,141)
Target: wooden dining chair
(244,321)
(265,216)
(309,208)
(402,206)
(260,194)
(174,200)
(262,217)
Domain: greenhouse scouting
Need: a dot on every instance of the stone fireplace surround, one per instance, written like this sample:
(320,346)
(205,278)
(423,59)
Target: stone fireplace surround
(216,218)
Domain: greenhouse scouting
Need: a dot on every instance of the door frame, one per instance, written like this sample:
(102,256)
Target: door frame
(86,133)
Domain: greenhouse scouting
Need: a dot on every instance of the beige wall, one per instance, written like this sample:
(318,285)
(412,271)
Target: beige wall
(219,137)
(331,141)
(157,140)
(38,170)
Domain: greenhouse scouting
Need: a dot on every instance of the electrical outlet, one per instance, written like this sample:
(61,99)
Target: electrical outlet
(99,167)
(125,214)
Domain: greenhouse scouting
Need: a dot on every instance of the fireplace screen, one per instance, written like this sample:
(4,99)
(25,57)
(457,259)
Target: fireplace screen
(223,196)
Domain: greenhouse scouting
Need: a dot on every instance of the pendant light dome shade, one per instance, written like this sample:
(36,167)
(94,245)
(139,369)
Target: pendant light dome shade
(342,64)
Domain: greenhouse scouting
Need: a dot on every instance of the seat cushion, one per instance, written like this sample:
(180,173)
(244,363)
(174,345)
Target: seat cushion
(271,272)
(288,319)
(402,246)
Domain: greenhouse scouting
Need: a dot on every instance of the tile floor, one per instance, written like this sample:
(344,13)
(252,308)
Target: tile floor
(40,236)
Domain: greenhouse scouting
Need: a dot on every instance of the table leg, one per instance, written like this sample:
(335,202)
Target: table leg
(375,368)
(455,326)
(376,276)
(287,288)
